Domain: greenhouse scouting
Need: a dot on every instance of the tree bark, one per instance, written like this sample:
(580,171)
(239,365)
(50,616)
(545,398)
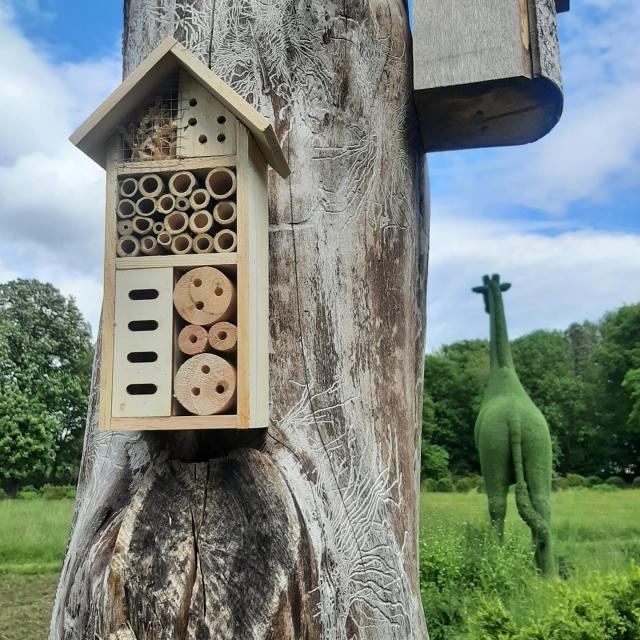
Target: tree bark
(310,528)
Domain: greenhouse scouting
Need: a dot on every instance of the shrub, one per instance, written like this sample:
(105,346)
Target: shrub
(480,488)
(605,487)
(444,485)
(592,481)
(70,493)
(28,493)
(464,485)
(429,485)
(3,494)
(53,492)
(616,481)
(559,483)
(636,482)
(576,480)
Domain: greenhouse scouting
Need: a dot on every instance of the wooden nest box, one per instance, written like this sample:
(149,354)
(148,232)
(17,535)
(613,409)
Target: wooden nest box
(486,72)
(185,328)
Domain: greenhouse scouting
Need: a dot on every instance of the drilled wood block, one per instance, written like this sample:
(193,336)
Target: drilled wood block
(142,365)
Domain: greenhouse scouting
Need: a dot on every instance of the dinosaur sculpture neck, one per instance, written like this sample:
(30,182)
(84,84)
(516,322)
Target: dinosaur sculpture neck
(500,349)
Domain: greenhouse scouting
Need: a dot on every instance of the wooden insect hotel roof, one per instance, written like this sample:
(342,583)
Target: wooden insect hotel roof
(168,58)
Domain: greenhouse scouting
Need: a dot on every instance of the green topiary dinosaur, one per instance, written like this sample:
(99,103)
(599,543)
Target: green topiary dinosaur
(513,438)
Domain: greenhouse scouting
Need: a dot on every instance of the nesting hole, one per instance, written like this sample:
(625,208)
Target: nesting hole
(219,388)
(182,244)
(225,240)
(192,122)
(221,119)
(143,294)
(195,391)
(218,291)
(206,368)
(142,356)
(225,211)
(126,208)
(197,282)
(141,389)
(143,325)
(182,183)
(199,305)
(146,206)
(221,137)
(220,183)
(193,338)
(202,139)
(222,335)
(203,243)
(193,102)
(128,246)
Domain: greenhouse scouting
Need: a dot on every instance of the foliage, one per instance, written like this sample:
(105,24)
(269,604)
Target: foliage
(57,492)
(28,493)
(585,380)
(592,481)
(45,371)
(605,487)
(26,440)
(3,494)
(463,485)
(615,481)
(636,483)
(444,485)
(473,589)
(576,480)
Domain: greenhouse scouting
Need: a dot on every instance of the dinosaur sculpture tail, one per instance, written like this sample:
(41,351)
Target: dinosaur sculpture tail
(536,523)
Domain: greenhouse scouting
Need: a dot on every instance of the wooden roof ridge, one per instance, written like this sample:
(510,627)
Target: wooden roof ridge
(92,135)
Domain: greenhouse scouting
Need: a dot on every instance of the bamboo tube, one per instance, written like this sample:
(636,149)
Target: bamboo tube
(182,204)
(223,336)
(193,339)
(142,225)
(149,246)
(206,385)
(129,187)
(181,244)
(225,241)
(128,247)
(124,227)
(203,243)
(200,222)
(182,183)
(221,183)
(126,209)
(204,296)
(176,222)
(146,206)
(158,227)
(164,240)
(151,185)
(166,204)
(225,212)
(199,199)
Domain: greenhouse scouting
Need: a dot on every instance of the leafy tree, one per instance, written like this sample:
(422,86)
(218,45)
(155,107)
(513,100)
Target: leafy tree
(26,443)
(45,357)
(455,378)
(616,394)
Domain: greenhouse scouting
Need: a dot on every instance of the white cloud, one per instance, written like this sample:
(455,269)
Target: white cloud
(51,195)
(557,280)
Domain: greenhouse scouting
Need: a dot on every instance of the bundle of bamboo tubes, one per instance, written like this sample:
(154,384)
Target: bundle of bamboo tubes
(181,212)
(205,378)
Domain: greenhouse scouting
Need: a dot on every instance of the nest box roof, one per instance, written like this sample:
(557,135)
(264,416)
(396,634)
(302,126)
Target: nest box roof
(168,57)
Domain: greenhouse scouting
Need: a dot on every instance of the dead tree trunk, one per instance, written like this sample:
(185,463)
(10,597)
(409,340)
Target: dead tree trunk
(309,530)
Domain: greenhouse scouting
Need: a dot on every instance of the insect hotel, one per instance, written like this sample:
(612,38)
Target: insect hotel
(185,329)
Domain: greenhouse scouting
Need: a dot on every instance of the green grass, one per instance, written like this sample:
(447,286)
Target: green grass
(466,575)
(33,535)
(25,606)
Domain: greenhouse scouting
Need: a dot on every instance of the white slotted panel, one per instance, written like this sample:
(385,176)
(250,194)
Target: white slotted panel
(159,341)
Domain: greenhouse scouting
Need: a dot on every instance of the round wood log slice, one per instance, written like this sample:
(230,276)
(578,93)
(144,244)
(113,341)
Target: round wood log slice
(223,336)
(193,339)
(206,385)
(204,296)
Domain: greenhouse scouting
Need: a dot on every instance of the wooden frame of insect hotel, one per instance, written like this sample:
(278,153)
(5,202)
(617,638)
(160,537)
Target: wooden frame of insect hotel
(185,317)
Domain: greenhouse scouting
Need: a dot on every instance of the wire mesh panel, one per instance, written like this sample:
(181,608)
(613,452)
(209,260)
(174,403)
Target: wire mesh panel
(155,132)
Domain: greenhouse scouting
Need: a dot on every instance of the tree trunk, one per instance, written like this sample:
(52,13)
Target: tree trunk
(310,528)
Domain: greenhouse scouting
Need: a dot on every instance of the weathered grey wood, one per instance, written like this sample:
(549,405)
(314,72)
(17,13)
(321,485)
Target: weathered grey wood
(326,511)
(486,72)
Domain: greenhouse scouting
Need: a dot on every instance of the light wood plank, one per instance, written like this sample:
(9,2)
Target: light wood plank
(158,340)
(258,270)
(176,423)
(173,165)
(108,302)
(189,260)
(219,138)
(243,225)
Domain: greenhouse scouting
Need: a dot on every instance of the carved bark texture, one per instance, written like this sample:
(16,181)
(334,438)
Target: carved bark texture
(313,532)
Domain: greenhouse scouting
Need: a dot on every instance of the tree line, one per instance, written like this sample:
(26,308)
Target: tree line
(585,380)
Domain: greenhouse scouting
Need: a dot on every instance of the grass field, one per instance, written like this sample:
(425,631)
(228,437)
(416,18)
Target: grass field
(595,534)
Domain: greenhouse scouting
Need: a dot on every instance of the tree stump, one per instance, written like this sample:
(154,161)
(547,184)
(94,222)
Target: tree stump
(308,529)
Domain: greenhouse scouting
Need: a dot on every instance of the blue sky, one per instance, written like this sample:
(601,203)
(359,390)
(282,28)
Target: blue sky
(559,218)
